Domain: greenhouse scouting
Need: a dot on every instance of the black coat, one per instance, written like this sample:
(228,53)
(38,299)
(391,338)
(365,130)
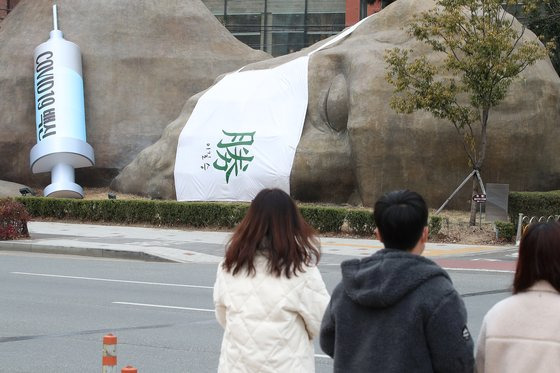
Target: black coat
(396,312)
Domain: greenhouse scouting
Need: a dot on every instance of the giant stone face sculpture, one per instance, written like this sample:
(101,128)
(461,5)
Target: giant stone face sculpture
(354,146)
(142,59)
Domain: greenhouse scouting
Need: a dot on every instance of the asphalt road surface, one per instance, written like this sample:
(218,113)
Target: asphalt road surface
(55,310)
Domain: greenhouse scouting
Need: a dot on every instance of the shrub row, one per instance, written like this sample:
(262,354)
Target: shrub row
(435,223)
(13,219)
(360,221)
(533,204)
(505,230)
(161,213)
(190,214)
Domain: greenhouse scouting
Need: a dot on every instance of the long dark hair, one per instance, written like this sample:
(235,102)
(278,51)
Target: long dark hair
(539,257)
(274,226)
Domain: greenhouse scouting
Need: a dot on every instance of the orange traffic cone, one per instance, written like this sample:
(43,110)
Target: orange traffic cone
(109,354)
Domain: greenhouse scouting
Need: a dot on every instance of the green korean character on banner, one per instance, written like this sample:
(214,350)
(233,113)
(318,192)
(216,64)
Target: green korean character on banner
(235,154)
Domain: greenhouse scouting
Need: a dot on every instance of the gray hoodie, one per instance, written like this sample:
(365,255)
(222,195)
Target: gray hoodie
(396,312)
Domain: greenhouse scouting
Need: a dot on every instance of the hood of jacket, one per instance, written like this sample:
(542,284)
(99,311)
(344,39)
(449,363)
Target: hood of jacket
(387,276)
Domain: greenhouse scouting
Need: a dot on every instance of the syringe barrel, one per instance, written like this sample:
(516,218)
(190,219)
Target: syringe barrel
(59,89)
(60,115)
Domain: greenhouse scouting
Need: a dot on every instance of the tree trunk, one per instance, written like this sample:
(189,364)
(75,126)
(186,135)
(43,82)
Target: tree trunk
(480,156)
(474,205)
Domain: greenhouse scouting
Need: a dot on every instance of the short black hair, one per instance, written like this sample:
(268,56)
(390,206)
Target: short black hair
(400,216)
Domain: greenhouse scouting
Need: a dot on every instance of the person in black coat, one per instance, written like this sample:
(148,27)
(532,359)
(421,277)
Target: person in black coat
(397,311)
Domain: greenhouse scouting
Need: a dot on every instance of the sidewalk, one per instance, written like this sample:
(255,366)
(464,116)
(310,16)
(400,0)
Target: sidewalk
(182,246)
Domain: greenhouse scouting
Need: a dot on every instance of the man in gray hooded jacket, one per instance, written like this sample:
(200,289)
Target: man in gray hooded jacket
(397,311)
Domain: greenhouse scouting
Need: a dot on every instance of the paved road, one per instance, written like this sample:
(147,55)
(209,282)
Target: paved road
(56,308)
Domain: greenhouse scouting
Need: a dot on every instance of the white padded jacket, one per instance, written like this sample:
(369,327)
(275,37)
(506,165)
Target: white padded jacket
(269,322)
(521,333)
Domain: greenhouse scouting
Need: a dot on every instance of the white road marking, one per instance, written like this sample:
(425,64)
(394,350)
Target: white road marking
(447,269)
(189,309)
(163,306)
(478,270)
(113,280)
(485,260)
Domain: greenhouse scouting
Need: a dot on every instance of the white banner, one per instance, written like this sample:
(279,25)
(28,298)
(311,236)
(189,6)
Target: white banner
(242,135)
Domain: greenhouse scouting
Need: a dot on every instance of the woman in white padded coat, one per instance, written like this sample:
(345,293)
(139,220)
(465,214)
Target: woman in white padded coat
(521,333)
(269,295)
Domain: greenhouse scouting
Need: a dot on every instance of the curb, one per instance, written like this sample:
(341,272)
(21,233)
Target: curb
(90,252)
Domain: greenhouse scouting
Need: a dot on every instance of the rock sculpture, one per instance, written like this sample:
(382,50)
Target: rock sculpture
(141,61)
(355,147)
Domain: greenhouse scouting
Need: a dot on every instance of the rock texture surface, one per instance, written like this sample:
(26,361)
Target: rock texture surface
(142,59)
(354,147)
(9,189)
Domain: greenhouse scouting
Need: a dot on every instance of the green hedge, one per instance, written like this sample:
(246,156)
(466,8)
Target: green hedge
(533,204)
(360,221)
(435,224)
(162,213)
(505,230)
(324,219)
(190,214)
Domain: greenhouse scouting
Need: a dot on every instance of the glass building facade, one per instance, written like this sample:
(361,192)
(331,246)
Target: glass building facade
(280,26)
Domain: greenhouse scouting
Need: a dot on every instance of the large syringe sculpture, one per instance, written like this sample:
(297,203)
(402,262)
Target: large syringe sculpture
(60,117)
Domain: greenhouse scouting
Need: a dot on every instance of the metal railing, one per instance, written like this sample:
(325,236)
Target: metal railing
(525,220)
